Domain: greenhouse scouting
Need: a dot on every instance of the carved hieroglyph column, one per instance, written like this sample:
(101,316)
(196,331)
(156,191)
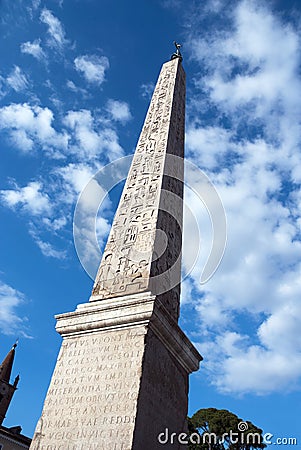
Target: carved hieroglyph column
(144,247)
(121,377)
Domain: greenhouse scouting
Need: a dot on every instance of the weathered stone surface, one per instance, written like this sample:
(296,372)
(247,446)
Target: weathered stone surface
(120,379)
(92,399)
(163,397)
(150,203)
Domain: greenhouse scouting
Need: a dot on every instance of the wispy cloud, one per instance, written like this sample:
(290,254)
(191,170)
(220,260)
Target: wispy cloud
(72,86)
(147,89)
(56,33)
(43,213)
(74,178)
(89,138)
(36,4)
(83,137)
(31,126)
(119,111)
(92,67)
(17,79)
(47,248)
(34,49)
(55,224)
(10,321)
(30,198)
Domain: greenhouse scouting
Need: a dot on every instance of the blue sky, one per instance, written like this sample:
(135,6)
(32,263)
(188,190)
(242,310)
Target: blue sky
(75,83)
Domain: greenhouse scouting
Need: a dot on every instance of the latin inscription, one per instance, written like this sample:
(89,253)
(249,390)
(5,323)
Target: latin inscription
(94,389)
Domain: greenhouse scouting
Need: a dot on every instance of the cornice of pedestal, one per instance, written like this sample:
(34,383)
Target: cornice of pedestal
(107,314)
(169,332)
(142,309)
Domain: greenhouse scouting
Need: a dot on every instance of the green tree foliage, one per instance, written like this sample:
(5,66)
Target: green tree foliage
(219,429)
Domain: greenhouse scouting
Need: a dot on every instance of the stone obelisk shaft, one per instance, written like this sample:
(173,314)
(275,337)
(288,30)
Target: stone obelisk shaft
(144,246)
(121,377)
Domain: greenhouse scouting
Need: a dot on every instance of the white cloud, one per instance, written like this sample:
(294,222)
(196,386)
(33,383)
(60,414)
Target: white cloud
(262,53)
(240,367)
(147,90)
(248,142)
(30,198)
(119,111)
(29,126)
(87,229)
(17,80)
(75,177)
(48,250)
(72,86)
(92,67)
(280,331)
(89,139)
(2,87)
(10,321)
(55,224)
(56,32)
(36,4)
(85,134)
(90,226)
(208,145)
(214,6)
(33,48)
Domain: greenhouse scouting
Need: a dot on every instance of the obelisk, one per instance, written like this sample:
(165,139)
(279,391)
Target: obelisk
(121,377)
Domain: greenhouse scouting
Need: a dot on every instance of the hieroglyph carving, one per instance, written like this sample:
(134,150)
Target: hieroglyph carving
(126,264)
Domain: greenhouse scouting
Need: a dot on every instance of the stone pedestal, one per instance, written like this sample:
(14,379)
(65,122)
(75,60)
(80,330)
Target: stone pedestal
(121,378)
